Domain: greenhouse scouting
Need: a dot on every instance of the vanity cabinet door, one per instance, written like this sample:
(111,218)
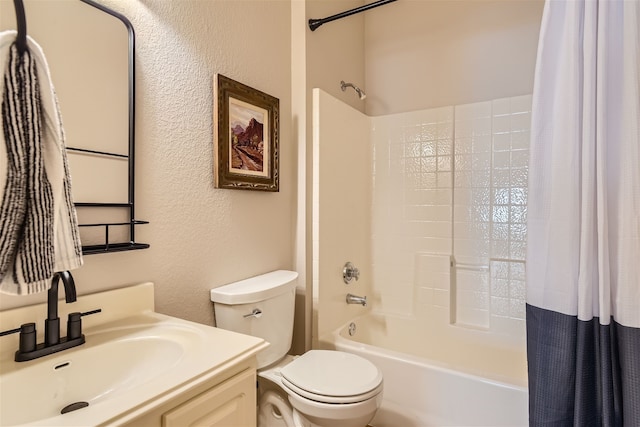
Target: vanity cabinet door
(229,404)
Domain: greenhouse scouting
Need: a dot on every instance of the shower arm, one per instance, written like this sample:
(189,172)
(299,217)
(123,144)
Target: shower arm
(360,92)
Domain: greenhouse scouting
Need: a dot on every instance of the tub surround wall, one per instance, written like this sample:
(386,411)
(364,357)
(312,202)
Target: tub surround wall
(449,213)
(341,209)
(412,208)
(447,200)
(490,207)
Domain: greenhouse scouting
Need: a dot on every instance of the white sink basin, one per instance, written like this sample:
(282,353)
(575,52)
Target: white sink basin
(86,375)
(123,365)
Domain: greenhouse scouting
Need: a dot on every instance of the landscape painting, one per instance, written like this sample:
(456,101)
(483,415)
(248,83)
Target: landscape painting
(247,129)
(246,132)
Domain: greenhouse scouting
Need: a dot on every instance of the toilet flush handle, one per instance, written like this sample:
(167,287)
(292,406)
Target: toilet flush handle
(255,313)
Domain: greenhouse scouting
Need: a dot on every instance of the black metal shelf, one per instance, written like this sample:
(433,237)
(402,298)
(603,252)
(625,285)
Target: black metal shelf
(109,224)
(115,247)
(102,205)
(107,246)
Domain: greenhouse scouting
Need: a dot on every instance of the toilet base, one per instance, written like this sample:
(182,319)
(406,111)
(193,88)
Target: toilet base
(326,415)
(275,411)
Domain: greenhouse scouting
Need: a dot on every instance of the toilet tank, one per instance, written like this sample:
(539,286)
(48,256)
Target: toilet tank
(262,306)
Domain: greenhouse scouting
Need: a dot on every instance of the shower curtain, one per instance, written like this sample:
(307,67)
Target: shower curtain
(583,253)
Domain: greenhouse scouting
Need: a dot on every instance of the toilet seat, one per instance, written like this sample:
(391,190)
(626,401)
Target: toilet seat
(331,399)
(332,377)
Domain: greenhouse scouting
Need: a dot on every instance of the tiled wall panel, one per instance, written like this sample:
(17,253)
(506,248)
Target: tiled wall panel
(490,195)
(412,203)
(450,188)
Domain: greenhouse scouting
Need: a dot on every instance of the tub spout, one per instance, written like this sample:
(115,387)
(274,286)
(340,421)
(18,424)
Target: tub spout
(354,299)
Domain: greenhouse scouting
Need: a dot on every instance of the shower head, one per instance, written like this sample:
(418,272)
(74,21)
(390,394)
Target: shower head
(359,91)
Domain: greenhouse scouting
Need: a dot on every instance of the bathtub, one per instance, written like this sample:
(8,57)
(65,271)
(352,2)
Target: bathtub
(447,377)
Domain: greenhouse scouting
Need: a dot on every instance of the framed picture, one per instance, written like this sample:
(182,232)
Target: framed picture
(245,136)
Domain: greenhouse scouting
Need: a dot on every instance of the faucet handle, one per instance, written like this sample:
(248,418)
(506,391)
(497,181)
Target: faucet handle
(27,336)
(74,325)
(350,272)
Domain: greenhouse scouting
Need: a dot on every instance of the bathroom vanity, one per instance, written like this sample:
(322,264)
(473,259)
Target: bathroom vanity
(136,368)
(226,400)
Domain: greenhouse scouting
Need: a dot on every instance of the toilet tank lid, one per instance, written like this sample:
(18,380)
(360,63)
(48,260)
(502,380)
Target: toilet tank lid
(256,288)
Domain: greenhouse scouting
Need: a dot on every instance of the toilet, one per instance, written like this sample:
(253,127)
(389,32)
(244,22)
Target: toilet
(321,388)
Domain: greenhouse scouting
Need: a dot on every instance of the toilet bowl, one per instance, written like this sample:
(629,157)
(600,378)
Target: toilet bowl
(321,388)
(324,388)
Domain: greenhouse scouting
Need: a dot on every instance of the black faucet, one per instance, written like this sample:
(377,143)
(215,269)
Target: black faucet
(28,349)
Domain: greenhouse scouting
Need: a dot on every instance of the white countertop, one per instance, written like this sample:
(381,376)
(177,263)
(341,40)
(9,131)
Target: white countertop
(127,315)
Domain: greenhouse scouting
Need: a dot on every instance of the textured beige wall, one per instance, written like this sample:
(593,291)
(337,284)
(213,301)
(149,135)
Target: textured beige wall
(200,237)
(428,53)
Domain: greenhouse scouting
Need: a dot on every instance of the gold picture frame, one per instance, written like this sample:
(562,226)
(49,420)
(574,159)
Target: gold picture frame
(245,136)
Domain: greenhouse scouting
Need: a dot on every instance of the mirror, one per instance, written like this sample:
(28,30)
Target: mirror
(89,49)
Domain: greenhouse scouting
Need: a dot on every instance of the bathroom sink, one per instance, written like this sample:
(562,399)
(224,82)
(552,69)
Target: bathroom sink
(90,374)
(123,366)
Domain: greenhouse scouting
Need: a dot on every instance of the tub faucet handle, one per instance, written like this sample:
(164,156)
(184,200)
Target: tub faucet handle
(350,272)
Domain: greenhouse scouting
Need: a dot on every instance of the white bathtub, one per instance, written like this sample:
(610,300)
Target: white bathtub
(452,377)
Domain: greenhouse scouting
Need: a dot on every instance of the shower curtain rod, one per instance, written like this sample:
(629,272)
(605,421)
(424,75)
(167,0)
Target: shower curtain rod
(315,23)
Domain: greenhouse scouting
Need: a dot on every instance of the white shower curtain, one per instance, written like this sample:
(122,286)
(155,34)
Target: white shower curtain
(583,253)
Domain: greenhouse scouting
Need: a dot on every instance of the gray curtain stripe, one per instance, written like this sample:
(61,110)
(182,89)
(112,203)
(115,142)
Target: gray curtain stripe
(628,345)
(582,373)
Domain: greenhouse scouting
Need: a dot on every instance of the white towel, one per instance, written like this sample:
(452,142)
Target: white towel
(38,226)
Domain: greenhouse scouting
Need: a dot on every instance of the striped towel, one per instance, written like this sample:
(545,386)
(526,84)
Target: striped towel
(38,226)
